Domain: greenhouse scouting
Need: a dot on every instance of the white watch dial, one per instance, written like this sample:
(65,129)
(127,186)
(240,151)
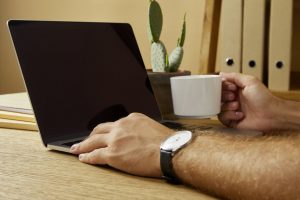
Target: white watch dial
(176,141)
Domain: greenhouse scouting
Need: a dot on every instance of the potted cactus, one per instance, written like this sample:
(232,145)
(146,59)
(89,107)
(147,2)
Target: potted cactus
(164,66)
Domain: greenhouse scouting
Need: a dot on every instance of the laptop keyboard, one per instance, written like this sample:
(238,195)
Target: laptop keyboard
(69,144)
(172,125)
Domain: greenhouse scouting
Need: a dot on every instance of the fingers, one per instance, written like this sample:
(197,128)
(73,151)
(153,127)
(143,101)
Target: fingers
(230,118)
(103,128)
(93,142)
(228,86)
(98,156)
(240,80)
(228,91)
(228,96)
(230,106)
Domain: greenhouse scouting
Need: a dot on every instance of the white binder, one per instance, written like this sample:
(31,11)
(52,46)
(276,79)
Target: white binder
(253,37)
(280,44)
(231,35)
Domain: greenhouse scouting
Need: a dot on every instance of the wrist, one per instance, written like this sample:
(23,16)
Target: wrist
(168,149)
(184,161)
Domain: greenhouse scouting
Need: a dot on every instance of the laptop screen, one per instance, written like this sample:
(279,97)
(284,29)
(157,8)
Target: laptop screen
(80,74)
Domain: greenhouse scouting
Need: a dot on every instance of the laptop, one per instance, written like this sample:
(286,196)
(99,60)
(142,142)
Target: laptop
(80,74)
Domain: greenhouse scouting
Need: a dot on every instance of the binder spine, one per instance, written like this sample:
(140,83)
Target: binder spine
(280,44)
(231,35)
(253,37)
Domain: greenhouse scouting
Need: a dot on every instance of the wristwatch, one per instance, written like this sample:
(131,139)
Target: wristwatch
(167,151)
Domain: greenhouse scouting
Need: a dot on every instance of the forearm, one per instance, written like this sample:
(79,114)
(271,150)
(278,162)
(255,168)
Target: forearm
(239,168)
(288,115)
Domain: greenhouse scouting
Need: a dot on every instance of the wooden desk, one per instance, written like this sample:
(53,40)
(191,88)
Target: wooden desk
(30,171)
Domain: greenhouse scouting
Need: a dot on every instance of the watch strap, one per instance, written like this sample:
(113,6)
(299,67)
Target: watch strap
(167,166)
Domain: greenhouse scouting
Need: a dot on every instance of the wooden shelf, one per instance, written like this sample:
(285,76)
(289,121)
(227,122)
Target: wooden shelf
(294,92)
(290,95)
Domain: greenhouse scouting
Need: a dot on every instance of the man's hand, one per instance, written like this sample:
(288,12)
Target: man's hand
(247,103)
(131,144)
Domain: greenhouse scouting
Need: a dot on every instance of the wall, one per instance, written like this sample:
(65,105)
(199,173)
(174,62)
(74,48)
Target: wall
(132,11)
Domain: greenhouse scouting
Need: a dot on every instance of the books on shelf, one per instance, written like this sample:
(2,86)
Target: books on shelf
(16,102)
(17,116)
(16,112)
(14,124)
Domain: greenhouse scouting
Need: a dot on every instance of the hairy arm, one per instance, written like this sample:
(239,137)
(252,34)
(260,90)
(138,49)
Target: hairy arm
(265,167)
(233,167)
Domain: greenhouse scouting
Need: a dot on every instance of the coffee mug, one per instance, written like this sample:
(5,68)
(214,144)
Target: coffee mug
(196,96)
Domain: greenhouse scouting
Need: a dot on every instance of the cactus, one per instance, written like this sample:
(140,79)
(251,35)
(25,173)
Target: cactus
(177,54)
(155,21)
(159,57)
(175,59)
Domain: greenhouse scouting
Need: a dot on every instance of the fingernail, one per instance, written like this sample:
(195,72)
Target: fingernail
(74,147)
(81,156)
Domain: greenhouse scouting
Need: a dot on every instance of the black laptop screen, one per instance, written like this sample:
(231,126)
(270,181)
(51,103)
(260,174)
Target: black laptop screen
(80,74)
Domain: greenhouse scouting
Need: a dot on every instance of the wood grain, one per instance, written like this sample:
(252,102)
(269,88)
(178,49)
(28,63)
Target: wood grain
(291,95)
(29,171)
(209,42)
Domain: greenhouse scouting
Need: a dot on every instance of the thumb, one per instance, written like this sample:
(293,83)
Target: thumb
(240,80)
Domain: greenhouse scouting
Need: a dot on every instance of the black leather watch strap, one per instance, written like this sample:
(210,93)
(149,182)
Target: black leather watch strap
(167,166)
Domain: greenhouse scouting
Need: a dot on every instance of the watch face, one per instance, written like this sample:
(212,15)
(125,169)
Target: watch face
(176,141)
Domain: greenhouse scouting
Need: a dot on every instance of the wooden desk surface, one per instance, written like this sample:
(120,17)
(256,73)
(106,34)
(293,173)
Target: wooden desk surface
(30,171)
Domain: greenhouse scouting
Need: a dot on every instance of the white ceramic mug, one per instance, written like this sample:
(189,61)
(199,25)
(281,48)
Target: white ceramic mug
(196,96)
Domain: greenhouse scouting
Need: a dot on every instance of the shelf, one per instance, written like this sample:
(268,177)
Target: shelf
(290,95)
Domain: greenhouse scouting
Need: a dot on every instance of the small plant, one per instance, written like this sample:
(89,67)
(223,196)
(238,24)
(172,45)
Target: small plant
(160,60)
